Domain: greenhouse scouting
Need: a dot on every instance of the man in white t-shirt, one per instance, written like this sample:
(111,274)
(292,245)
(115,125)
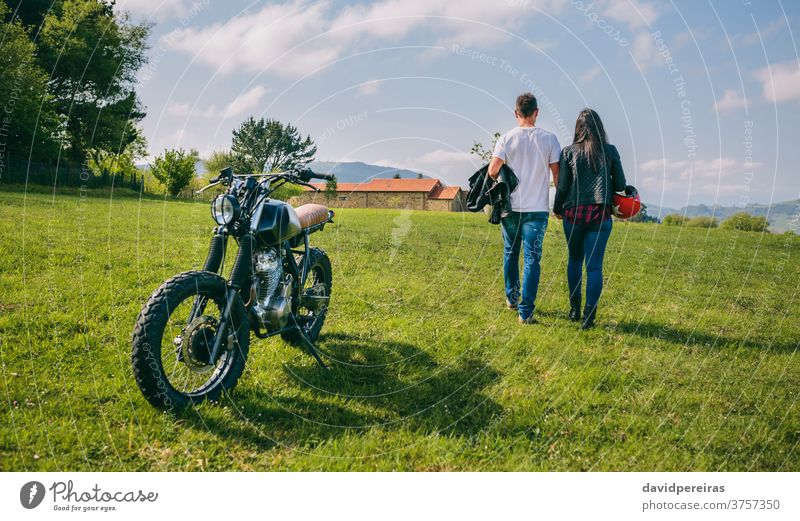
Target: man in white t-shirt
(532,153)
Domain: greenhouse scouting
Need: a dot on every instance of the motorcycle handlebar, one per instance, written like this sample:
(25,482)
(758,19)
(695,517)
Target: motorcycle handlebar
(304,175)
(307,174)
(324,177)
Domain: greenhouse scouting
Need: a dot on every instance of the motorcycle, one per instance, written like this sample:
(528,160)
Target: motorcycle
(192,336)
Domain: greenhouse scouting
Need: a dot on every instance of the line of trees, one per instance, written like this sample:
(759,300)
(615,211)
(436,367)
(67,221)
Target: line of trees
(67,88)
(741,221)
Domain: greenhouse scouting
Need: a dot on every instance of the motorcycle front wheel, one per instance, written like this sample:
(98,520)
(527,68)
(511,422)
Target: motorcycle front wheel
(173,340)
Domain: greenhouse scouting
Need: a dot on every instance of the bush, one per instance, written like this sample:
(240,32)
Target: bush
(674,219)
(745,222)
(702,222)
(175,169)
(286,192)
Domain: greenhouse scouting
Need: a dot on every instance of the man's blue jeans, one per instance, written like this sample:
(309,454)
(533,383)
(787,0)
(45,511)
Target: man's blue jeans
(587,245)
(525,230)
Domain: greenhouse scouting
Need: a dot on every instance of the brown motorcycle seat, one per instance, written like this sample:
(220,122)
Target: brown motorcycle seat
(311,214)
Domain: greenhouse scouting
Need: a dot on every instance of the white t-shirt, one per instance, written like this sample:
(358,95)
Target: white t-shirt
(529,151)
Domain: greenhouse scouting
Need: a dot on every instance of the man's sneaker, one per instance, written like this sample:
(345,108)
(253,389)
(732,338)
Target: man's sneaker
(528,321)
(511,305)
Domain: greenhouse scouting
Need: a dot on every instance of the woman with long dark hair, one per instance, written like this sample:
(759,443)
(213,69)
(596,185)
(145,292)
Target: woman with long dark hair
(590,173)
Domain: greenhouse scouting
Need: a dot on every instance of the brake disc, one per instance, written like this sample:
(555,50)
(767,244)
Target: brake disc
(198,342)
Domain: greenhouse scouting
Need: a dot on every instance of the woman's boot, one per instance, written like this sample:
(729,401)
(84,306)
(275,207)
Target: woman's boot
(575,308)
(588,317)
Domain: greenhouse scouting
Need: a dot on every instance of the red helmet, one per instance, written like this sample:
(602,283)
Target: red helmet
(628,205)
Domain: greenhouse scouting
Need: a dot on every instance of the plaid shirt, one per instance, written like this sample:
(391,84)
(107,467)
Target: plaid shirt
(587,214)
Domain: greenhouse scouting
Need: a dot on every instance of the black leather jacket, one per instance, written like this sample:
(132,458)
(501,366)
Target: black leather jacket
(484,190)
(579,183)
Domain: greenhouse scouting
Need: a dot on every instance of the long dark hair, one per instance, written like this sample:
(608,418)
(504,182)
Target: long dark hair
(590,136)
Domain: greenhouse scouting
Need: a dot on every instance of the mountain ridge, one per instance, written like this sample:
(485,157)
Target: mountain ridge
(358,171)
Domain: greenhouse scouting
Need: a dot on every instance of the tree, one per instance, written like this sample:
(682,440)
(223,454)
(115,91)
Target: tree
(175,169)
(331,185)
(31,12)
(420,176)
(482,151)
(397,175)
(643,216)
(267,145)
(743,221)
(29,124)
(93,56)
(217,160)
(121,163)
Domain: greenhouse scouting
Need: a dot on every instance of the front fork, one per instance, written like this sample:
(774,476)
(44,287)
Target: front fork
(240,277)
(213,263)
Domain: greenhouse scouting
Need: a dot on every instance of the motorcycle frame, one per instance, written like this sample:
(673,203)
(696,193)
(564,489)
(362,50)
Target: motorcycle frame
(253,194)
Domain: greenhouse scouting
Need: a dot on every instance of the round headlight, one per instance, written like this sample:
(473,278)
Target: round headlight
(225,209)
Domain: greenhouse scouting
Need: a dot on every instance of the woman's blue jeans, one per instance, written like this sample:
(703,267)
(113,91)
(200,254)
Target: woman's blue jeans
(526,230)
(586,244)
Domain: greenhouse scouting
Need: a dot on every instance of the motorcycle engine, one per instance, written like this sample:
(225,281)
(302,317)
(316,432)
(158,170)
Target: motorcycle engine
(272,289)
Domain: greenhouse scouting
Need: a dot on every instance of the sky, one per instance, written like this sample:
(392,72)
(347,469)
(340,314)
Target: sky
(700,97)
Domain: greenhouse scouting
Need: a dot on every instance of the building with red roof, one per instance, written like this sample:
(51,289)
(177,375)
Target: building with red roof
(411,194)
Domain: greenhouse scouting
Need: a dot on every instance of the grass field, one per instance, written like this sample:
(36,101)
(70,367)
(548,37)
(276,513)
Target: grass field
(694,366)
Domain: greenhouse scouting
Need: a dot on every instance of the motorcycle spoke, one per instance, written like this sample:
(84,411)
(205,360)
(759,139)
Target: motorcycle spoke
(192,321)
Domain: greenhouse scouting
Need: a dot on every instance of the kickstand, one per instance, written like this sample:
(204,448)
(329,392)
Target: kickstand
(310,345)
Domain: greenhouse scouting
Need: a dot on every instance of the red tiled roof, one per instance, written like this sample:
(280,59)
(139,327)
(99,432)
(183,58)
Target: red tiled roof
(386,185)
(445,192)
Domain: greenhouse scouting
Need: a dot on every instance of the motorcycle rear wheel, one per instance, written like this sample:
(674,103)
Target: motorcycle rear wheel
(318,282)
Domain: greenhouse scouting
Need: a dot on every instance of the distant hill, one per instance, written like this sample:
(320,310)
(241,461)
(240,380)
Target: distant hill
(356,172)
(351,172)
(659,211)
(778,214)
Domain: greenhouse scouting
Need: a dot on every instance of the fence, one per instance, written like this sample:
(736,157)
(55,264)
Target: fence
(17,171)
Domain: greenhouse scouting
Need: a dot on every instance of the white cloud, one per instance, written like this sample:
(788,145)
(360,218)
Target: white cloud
(369,88)
(780,81)
(766,31)
(243,104)
(441,156)
(278,37)
(294,39)
(179,109)
(159,10)
(644,50)
(731,100)
(682,179)
(635,13)
(699,169)
(591,74)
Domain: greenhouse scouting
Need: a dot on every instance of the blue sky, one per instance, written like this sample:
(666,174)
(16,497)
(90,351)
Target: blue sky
(701,98)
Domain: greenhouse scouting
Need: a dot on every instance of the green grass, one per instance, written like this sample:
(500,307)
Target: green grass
(694,365)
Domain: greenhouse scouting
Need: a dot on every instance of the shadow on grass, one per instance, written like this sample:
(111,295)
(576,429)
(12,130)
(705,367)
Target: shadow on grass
(694,338)
(372,384)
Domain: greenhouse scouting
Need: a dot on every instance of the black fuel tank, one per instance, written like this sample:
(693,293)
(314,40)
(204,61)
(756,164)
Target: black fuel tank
(274,222)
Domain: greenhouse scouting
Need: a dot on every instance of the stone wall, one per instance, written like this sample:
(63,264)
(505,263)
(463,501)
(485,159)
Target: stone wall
(336,200)
(402,200)
(439,205)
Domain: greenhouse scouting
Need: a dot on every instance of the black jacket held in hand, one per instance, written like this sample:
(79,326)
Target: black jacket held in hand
(484,190)
(579,183)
